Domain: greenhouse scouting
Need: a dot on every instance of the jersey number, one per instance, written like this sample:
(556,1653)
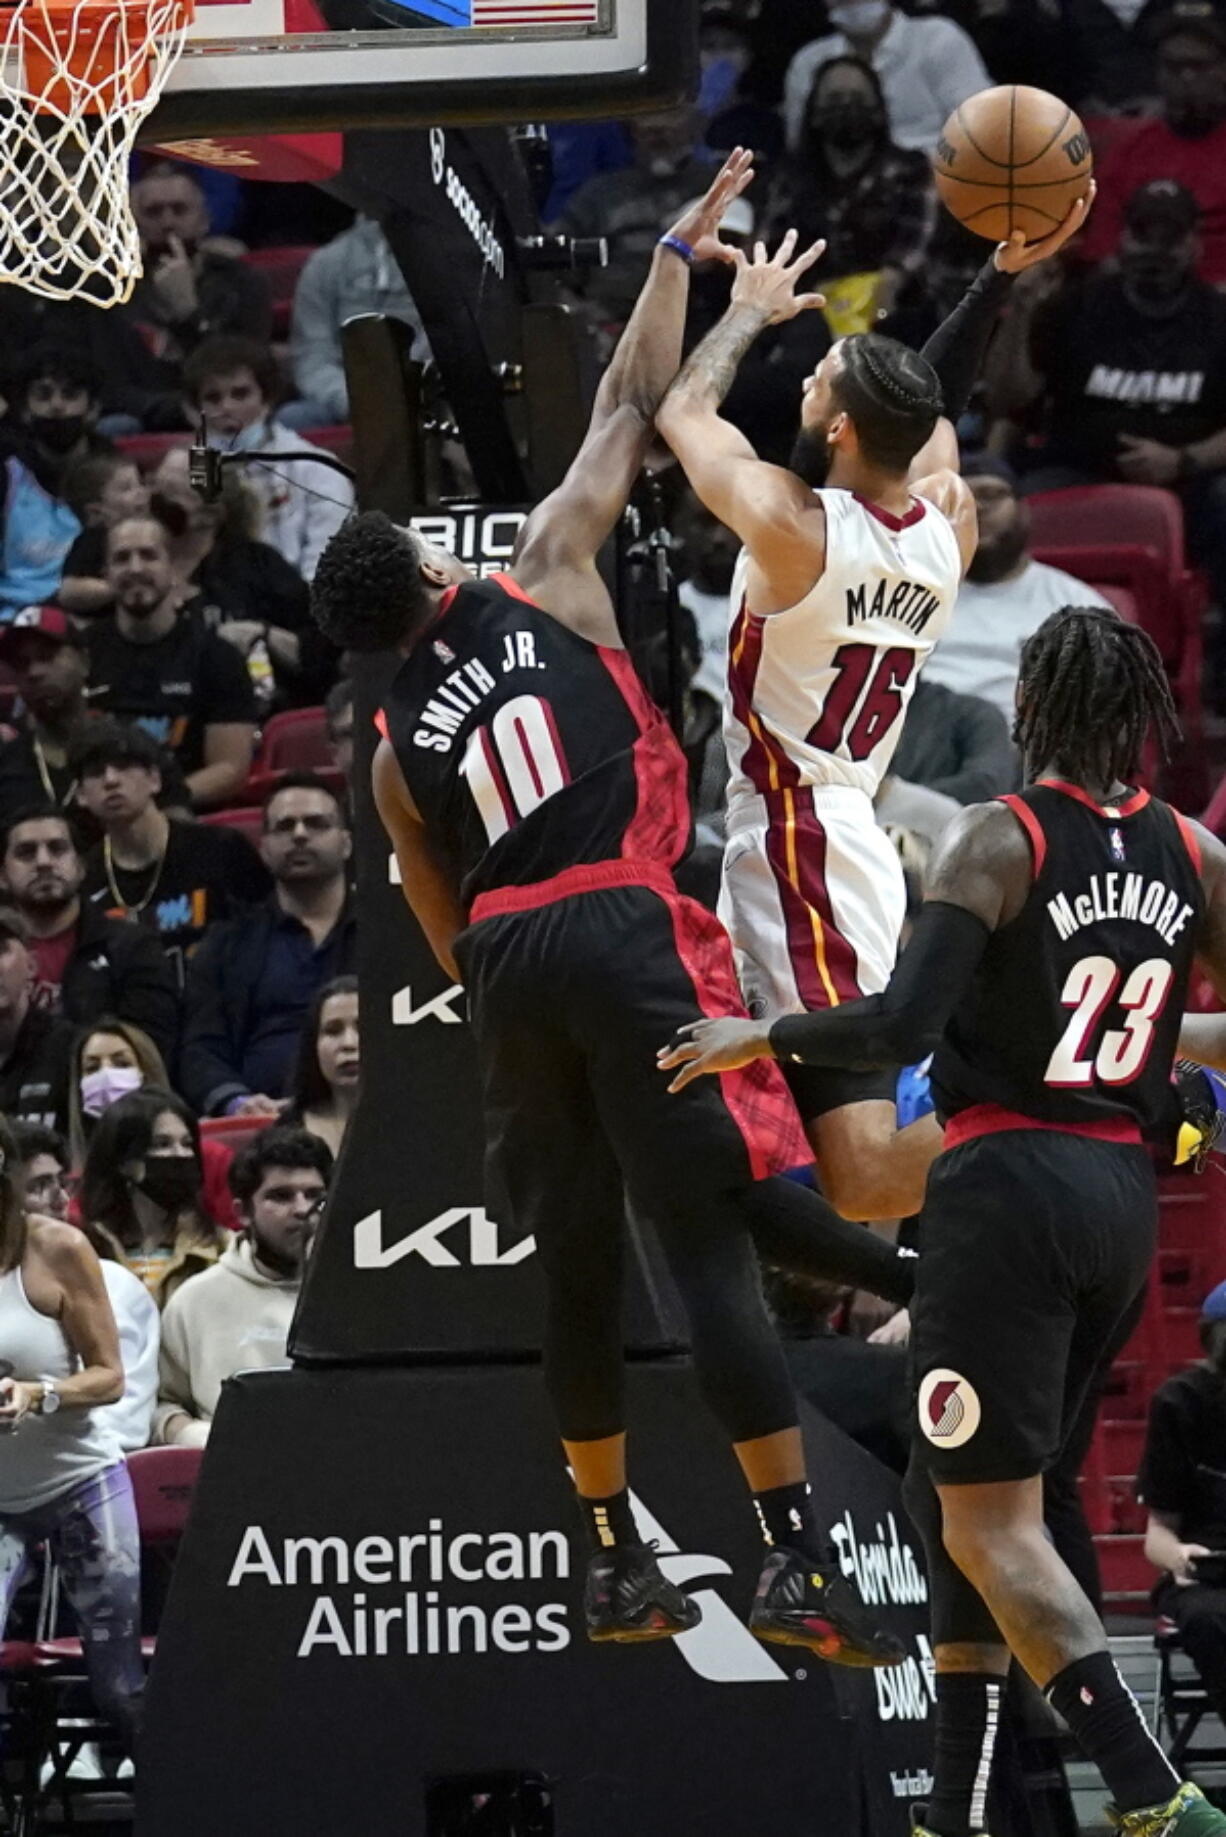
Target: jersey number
(515,763)
(1123,1051)
(880,707)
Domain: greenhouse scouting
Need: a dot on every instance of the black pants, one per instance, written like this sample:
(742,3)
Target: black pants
(570,1003)
(1035,1247)
(1200,1614)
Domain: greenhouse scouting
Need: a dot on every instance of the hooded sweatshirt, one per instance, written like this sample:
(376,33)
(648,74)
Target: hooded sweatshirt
(232,1318)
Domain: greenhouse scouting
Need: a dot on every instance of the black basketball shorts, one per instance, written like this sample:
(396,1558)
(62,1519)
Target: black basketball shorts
(1033,1245)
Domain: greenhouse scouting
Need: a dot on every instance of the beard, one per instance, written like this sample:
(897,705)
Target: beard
(993,560)
(810,457)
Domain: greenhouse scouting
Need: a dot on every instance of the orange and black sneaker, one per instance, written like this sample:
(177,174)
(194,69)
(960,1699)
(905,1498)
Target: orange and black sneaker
(802,1603)
(627,1597)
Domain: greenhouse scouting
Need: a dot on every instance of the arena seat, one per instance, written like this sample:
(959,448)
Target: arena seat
(148,449)
(1180,1701)
(248,819)
(232,1131)
(281,268)
(1133,536)
(295,741)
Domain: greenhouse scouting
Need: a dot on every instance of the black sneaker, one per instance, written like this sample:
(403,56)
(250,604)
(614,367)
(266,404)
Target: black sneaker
(802,1603)
(626,1597)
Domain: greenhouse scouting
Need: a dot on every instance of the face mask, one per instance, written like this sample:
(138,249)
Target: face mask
(847,124)
(859,18)
(171,1181)
(58,433)
(100,1089)
(243,442)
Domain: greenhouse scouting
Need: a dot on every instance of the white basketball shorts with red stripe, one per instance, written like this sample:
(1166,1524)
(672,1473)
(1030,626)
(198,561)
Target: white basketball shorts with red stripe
(813,898)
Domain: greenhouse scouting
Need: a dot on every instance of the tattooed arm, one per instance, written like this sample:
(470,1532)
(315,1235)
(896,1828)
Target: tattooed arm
(769,508)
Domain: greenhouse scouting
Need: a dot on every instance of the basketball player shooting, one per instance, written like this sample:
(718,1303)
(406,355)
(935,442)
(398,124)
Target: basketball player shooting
(852,562)
(1047,972)
(537,803)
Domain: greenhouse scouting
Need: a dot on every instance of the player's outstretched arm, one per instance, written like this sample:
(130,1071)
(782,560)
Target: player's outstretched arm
(768,507)
(977,879)
(570,526)
(428,884)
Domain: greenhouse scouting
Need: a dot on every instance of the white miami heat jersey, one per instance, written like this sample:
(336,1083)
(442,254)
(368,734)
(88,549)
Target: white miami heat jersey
(817,695)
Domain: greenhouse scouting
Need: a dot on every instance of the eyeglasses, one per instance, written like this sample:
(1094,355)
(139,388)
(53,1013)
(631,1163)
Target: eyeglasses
(314,825)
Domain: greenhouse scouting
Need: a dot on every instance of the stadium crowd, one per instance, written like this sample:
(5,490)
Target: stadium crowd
(179,1039)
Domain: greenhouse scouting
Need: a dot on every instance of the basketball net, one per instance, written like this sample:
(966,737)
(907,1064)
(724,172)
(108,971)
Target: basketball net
(78,79)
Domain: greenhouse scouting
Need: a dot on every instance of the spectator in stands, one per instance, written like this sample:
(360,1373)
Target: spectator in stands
(251,981)
(140,1196)
(35,1045)
(109,1060)
(873,203)
(43,1159)
(1183,1483)
(955,749)
(353,275)
(234,384)
(54,407)
(325,1091)
(63,1482)
(151,662)
(194,287)
(730,101)
(101,489)
(1184,145)
(634,206)
(244,589)
(1005,597)
(926,66)
(338,711)
(174,878)
(44,1169)
(237,1315)
(47,655)
(85,964)
(1131,369)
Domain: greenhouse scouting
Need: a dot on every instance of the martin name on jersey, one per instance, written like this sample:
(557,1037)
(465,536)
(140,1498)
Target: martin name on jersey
(818,693)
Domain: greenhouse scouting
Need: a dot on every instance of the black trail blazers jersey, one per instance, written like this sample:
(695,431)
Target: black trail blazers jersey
(529,751)
(1075,1011)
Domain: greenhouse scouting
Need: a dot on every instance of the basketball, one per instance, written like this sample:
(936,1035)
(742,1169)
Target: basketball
(1012,159)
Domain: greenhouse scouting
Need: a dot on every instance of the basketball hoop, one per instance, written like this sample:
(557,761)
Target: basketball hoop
(78,79)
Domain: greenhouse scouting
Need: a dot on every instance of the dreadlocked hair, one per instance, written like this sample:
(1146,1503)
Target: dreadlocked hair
(368,594)
(1090,688)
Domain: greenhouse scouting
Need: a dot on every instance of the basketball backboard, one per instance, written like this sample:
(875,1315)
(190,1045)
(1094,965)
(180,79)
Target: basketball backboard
(285,66)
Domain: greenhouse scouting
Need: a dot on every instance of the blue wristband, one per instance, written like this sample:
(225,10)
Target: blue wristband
(678,247)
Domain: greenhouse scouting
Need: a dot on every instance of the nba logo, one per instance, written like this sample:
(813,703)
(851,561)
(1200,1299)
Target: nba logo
(445,654)
(1117,844)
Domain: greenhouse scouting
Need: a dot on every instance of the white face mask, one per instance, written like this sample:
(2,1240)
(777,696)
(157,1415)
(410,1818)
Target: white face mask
(100,1089)
(859,18)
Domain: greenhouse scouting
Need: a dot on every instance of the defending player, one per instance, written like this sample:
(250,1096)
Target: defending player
(537,803)
(840,596)
(1048,971)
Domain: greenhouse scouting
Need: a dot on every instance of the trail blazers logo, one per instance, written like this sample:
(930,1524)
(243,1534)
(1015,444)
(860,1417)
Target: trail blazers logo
(949,1408)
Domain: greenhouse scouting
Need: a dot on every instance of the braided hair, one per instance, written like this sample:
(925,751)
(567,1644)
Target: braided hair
(1090,688)
(892,396)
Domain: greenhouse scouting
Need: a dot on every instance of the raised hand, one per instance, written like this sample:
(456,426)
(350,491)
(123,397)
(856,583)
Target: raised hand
(769,282)
(699,227)
(1016,255)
